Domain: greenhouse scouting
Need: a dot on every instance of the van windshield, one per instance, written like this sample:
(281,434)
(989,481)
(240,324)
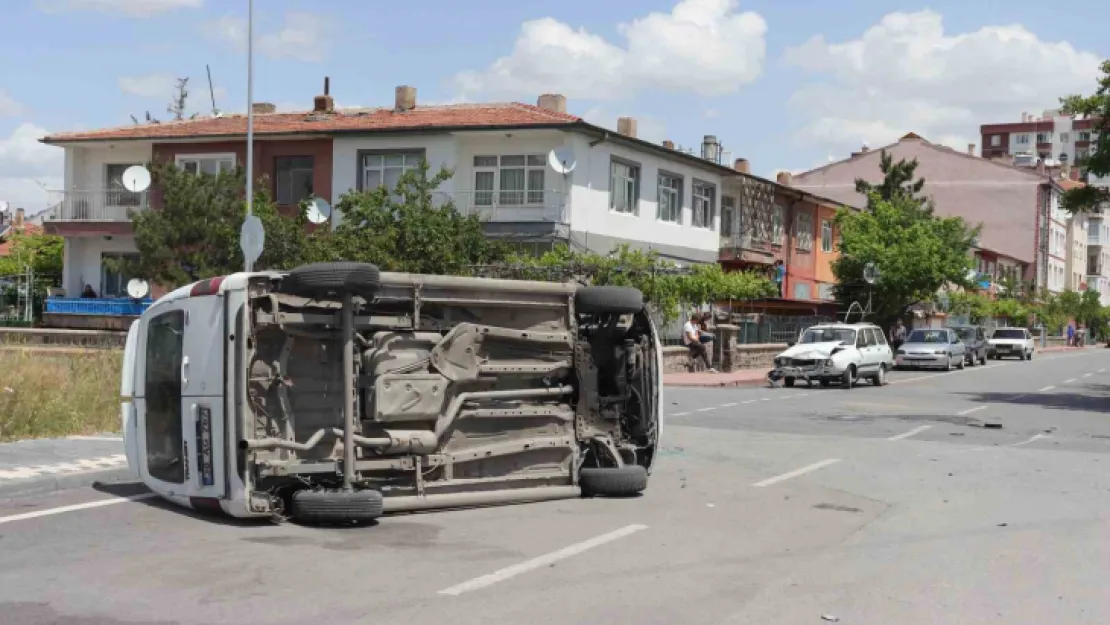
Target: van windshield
(829,335)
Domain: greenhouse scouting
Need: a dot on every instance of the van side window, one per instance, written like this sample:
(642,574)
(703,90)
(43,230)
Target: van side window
(164,349)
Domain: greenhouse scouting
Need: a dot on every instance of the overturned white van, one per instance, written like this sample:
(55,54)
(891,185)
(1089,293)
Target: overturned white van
(334,393)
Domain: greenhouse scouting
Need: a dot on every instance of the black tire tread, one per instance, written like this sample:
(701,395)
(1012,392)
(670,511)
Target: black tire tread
(320,280)
(623,481)
(321,506)
(619,300)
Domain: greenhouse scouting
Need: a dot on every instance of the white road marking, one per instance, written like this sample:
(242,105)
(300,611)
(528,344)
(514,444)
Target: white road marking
(704,409)
(970,410)
(1069,381)
(1087,375)
(83,465)
(750,401)
(1047,388)
(1035,437)
(1102,370)
(679,414)
(796,473)
(74,508)
(728,405)
(766,399)
(544,560)
(117,439)
(912,432)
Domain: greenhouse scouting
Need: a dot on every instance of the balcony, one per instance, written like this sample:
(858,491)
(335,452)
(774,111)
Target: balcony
(112,205)
(508,206)
(1096,237)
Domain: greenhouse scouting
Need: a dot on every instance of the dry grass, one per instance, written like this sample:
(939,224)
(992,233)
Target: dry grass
(58,392)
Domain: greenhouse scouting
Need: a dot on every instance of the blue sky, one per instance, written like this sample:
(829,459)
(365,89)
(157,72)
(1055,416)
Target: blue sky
(787,84)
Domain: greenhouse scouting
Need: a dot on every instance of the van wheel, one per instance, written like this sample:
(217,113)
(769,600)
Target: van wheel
(788,382)
(335,506)
(324,280)
(616,300)
(623,481)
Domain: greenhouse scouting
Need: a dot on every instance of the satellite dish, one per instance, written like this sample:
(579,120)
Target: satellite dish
(136,179)
(972,275)
(319,210)
(870,273)
(137,288)
(3,207)
(561,160)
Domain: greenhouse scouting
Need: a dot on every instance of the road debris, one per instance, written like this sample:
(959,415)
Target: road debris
(830,618)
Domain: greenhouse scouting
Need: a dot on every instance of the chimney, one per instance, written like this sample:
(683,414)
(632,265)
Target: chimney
(1024,116)
(971,149)
(262,108)
(785,178)
(405,98)
(711,149)
(668,144)
(626,126)
(864,150)
(741,165)
(17,222)
(324,103)
(553,102)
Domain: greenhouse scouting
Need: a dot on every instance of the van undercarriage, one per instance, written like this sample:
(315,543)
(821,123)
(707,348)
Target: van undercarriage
(462,391)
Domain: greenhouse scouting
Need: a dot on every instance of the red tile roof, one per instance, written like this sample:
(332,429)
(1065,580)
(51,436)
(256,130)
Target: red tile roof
(455,116)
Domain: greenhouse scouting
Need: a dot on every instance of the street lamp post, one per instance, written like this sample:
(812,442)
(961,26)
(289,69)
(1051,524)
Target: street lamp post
(250,120)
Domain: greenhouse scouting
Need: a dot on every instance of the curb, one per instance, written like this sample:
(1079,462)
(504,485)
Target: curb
(45,485)
(722,384)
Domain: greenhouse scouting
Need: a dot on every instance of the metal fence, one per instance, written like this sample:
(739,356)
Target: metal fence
(23,297)
(754,328)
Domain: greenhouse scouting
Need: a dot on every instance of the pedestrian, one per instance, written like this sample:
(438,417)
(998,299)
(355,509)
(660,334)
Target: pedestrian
(1071,335)
(692,337)
(88,293)
(897,335)
(780,276)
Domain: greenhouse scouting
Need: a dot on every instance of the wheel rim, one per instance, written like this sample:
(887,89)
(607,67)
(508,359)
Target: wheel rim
(881,377)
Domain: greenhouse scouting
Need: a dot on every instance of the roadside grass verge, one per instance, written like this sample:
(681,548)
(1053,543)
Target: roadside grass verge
(48,393)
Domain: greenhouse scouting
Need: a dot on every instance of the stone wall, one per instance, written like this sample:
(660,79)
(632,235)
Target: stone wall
(676,358)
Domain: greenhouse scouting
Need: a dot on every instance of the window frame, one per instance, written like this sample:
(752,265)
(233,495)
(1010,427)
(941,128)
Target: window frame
(828,249)
(778,225)
(803,243)
(277,177)
(711,217)
(996,141)
(1047,136)
(120,196)
(679,193)
(531,197)
(636,179)
(121,287)
(180,159)
(1022,138)
(360,163)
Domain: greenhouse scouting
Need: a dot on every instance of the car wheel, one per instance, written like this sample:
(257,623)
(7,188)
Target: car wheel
(983,358)
(971,361)
(324,280)
(608,299)
(880,376)
(849,377)
(825,382)
(961,365)
(625,481)
(326,507)
(948,364)
(1029,356)
(788,382)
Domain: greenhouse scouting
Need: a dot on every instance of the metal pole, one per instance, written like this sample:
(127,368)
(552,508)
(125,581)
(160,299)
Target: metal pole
(348,391)
(250,115)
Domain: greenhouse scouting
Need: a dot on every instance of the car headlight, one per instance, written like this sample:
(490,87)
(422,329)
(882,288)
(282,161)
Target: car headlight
(940,352)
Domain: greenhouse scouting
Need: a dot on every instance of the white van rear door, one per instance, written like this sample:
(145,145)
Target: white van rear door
(203,383)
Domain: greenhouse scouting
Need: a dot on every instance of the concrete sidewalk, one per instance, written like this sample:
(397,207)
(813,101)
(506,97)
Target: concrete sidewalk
(40,466)
(758,377)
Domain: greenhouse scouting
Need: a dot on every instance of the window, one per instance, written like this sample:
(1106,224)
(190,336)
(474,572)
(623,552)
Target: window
(826,235)
(113,278)
(1044,137)
(804,232)
(670,198)
(1021,139)
(825,292)
(1084,135)
(117,194)
(206,163)
(705,205)
(996,140)
(512,180)
(386,169)
(292,179)
(777,226)
(801,291)
(1065,137)
(729,223)
(880,336)
(165,458)
(624,187)
(864,338)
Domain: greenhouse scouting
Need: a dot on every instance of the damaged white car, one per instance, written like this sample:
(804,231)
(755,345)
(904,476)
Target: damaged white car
(335,393)
(843,353)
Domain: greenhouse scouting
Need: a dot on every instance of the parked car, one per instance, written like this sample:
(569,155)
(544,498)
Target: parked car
(936,347)
(974,339)
(1011,342)
(844,353)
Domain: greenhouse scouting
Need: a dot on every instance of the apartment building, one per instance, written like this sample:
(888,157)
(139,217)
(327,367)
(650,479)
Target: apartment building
(1024,233)
(1054,138)
(621,189)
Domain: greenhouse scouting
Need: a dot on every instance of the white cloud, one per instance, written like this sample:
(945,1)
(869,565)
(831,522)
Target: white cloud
(9,107)
(704,46)
(304,36)
(905,74)
(158,85)
(128,8)
(648,128)
(24,163)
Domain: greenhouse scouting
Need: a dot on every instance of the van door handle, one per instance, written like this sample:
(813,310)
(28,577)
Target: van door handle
(184,371)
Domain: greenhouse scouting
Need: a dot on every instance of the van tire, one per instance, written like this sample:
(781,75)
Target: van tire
(626,481)
(323,280)
(618,300)
(322,507)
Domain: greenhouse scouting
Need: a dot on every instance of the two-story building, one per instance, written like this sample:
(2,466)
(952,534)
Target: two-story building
(610,188)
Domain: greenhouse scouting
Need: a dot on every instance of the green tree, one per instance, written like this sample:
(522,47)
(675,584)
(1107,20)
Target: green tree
(411,228)
(41,251)
(915,254)
(897,181)
(971,303)
(1096,107)
(195,233)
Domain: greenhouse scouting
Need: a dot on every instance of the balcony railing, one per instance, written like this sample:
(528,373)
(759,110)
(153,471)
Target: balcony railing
(508,206)
(97,205)
(111,306)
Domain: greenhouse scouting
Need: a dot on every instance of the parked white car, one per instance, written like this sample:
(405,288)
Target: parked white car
(844,353)
(1011,342)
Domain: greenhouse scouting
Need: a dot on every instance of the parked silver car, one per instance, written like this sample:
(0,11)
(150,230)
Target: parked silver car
(939,347)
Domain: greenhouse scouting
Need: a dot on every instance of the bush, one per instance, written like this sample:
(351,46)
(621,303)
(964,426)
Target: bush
(48,393)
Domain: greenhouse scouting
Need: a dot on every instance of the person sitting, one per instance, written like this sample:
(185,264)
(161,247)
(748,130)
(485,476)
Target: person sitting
(695,341)
(88,293)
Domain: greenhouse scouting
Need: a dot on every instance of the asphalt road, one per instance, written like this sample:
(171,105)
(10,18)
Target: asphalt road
(870,505)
